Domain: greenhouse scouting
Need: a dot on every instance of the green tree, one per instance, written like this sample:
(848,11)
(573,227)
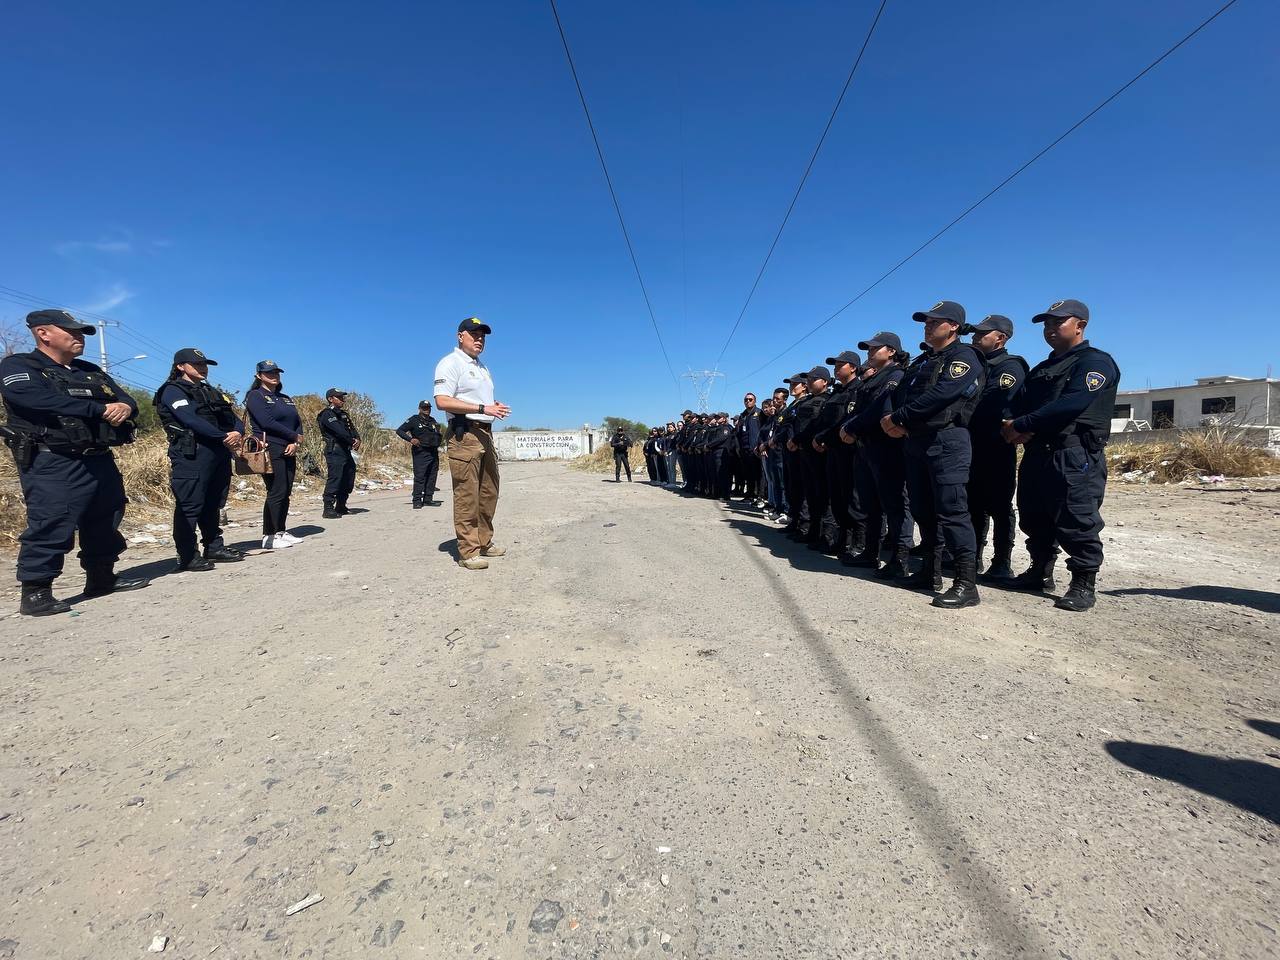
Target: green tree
(633,428)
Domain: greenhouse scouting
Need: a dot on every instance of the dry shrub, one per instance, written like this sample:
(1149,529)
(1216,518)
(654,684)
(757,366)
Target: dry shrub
(1212,451)
(13,512)
(379,447)
(600,460)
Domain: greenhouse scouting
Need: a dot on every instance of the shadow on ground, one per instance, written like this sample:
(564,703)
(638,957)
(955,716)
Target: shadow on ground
(1247,784)
(1262,600)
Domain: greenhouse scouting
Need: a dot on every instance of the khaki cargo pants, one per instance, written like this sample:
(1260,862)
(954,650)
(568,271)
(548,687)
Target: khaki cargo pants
(473,468)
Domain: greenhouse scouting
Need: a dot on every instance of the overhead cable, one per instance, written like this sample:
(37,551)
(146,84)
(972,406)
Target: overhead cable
(996,189)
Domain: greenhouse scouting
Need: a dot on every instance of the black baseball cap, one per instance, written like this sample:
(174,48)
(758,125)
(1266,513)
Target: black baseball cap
(882,339)
(423,403)
(796,378)
(335,392)
(1063,308)
(192,355)
(845,356)
(474,325)
(59,318)
(818,373)
(942,310)
(268,366)
(995,321)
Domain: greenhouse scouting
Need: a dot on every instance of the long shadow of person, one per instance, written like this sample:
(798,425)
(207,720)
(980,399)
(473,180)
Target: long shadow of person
(1269,727)
(1262,600)
(1247,784)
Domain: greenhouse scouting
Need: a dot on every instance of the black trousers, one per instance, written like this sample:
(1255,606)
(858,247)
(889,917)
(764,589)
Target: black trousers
(341,479)
(199,484)
(279,483)
(842,491)
(887,468)
(722,470)
(426,467)
(793,481)
(749,465)
(65,494)
(992,479)
(937,471)
(816,497)
(1059,502)
(620,463)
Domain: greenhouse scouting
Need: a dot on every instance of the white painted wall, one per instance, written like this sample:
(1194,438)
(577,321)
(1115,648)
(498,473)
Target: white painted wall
(541,444)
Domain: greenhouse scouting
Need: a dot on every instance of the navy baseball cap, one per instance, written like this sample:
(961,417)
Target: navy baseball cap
(474,325)
(882,339)
(818,373)
(59,318)
(997,322)
(845,356)
(335,392)
(423,403)
(942,310)
(1063,309)
(268,366)
(796,378)
(192,355)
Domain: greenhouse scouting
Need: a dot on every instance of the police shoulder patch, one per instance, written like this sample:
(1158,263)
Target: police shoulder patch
(1006,381)
(1093,381)
(892,384)
(957,369)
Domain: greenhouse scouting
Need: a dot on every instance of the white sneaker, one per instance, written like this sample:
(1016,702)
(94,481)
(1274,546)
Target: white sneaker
(288,538)
(275,541)
(783,519)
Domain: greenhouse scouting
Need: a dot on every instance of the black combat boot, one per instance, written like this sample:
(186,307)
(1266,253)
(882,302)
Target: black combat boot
(964,591)
(99,581)
(1037,578)
(194,564)
(38,600)
(342,510)
(223,554)
(867,558)
(896,568)
(330,512)
(1080,595)
(928,577)
(1000,570)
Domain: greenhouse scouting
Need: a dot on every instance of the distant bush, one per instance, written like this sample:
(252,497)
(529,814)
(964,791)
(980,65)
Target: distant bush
(1211,451)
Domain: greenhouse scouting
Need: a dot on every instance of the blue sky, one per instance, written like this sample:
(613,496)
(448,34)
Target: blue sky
(335,189)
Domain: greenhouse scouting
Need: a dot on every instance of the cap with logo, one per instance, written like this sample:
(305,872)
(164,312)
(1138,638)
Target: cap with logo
(334,392)
(997,322)
(1063,309)
(819,373)
(423,403)
(192,355)
(942,310)
(59,318)
(882,339)
(796,378)
(845,356)
(474,325)
(268,366)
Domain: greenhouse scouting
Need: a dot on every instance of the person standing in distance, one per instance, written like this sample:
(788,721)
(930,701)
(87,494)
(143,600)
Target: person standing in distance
(204,431)
(340,439)
(1062,418)
(464,390)
(65,415)
(932,411)
(993,473)
(273,413)
(621,443)
(422,433)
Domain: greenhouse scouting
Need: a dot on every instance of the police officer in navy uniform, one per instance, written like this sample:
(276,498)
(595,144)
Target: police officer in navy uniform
(932,410)
(1063,420)
(993,473)
(203,431)
(65,415)
(848,521)
(422,433)
(748,431)
(340,439)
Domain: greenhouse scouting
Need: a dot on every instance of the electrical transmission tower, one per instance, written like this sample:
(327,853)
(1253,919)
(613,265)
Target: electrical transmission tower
(703,382)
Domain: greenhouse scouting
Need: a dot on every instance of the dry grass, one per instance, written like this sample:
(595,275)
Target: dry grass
(1213,451)
(600,460)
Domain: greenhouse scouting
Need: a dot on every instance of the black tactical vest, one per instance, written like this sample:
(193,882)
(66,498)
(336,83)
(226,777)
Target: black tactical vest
(77,434)
(958,411)
(207,403)
(1047,381)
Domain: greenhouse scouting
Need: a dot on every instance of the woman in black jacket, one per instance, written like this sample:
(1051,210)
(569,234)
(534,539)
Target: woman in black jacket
(274,419)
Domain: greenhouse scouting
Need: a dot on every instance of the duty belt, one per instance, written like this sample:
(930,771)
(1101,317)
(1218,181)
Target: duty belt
(90,452)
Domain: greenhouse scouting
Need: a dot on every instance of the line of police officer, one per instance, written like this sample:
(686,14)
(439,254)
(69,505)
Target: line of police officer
(859,457)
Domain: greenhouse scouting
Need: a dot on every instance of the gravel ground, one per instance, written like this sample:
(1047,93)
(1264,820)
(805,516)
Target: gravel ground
(656,728)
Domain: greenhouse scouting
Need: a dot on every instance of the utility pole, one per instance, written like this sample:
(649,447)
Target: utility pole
(703,382)
(102,339)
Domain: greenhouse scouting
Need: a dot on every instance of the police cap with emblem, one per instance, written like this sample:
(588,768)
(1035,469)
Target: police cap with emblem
(424,404)
(1062,309)
(474,325)
(996,322)
(942,310)
(882,339)
(59,318)
(818,373)
(192,355)
(796,378)
(268,366)
(845,356)
(335,392)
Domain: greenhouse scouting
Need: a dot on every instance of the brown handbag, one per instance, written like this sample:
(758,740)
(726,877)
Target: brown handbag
(253,456)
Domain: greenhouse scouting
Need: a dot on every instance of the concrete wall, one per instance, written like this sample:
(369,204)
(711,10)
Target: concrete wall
(1257,402)
(542,444)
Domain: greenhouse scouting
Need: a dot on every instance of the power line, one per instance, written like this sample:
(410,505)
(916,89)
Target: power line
(22,298)
(999,186)
(803,179)
(613,193)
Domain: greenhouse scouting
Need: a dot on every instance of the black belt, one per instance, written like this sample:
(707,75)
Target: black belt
(480,425)
(92,452)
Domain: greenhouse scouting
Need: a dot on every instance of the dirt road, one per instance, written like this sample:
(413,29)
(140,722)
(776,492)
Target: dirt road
(656,728)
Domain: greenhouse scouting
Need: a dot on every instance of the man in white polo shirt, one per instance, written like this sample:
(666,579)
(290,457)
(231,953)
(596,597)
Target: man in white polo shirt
(464,391)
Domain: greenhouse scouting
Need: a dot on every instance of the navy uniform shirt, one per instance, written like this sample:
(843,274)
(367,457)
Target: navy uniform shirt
(945,380)
(423,429)
(34,401)
(185,413)
(1089,393)
(1006,372)
(274,415)
(336,426)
